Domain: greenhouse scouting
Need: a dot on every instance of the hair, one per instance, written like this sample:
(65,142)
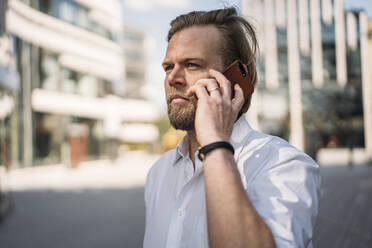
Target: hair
(238,38)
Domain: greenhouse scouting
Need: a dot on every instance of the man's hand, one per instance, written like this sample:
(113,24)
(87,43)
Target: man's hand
(232,219)
(216,112)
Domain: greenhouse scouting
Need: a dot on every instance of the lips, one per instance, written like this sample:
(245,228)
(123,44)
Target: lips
(178,98)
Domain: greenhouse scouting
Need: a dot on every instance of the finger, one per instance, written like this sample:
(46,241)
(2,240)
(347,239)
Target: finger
(238,100)
(212,86)
(209,83)
(199,90)
(215,92)
(224,83)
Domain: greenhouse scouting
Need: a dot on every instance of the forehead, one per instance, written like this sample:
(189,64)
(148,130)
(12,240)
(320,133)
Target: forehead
(195,42)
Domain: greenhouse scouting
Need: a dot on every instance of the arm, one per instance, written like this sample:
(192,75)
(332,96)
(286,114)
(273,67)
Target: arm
(232,220)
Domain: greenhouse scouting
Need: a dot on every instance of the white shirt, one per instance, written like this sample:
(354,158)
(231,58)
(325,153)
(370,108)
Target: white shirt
(281,182)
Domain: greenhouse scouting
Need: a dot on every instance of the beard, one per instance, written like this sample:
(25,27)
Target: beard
(182,116)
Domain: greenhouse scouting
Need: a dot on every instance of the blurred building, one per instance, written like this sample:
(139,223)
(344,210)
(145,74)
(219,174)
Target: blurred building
(368,104)
(314,73)
(69,102)
(135,66)
(9,83)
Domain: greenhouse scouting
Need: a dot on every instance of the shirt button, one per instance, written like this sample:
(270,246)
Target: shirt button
(180,212)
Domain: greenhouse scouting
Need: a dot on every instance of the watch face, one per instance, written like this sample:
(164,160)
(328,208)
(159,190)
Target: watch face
(201,156)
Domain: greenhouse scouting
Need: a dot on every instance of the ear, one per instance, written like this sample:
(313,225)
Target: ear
(246,68)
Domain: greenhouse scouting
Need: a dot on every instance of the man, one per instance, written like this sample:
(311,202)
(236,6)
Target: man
(248,190)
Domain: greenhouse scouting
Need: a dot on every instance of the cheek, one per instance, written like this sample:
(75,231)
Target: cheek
(165,83)
(167,92)
(193,77)
(166,88)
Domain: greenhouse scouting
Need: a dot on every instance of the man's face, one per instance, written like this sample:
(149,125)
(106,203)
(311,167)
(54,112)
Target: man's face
(190,54)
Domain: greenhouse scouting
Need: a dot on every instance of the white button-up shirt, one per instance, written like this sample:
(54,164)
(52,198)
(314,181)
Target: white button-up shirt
(281,182)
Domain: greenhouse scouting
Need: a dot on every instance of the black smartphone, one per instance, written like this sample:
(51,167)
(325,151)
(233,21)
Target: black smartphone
(237,73)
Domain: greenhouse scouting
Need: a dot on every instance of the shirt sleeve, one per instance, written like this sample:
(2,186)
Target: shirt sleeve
(147,193)
(147,197)
(285,194)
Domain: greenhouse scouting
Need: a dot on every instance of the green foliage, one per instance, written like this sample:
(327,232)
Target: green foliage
(163,125)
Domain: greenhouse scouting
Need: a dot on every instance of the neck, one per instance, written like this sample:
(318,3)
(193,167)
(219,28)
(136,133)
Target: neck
(193,145)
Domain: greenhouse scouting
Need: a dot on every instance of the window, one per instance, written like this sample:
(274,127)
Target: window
(73,13)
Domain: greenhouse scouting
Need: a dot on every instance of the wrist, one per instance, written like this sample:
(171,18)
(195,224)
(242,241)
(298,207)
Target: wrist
(219,145)
(220,155)
(213,139)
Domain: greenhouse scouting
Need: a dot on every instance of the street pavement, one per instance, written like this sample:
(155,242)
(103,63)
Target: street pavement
(99,204)
(103,211)
(345,216)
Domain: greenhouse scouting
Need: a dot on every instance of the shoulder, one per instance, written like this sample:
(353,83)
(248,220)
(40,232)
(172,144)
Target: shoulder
(157,172)
(263,153)
(276,149)
(162,164)
(282,152)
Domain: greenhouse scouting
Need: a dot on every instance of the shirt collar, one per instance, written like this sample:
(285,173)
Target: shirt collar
(240,130)
(182,149)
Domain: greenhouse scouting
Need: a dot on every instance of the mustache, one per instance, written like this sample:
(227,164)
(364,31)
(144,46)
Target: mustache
(174,92)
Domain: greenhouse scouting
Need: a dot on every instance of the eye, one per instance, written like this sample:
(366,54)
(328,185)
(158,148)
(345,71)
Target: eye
(192,65)
(168,68)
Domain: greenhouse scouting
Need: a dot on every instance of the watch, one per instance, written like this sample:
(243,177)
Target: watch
(220,144)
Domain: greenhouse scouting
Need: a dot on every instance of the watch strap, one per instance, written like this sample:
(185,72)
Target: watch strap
(208,148)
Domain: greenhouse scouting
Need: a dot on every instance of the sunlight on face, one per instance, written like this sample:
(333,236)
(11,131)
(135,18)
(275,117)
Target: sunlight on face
(190,54)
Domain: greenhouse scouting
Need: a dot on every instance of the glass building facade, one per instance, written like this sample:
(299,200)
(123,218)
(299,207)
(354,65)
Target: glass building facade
(326,40)
(64,54)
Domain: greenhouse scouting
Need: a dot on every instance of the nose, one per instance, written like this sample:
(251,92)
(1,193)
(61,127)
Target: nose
(176,77)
